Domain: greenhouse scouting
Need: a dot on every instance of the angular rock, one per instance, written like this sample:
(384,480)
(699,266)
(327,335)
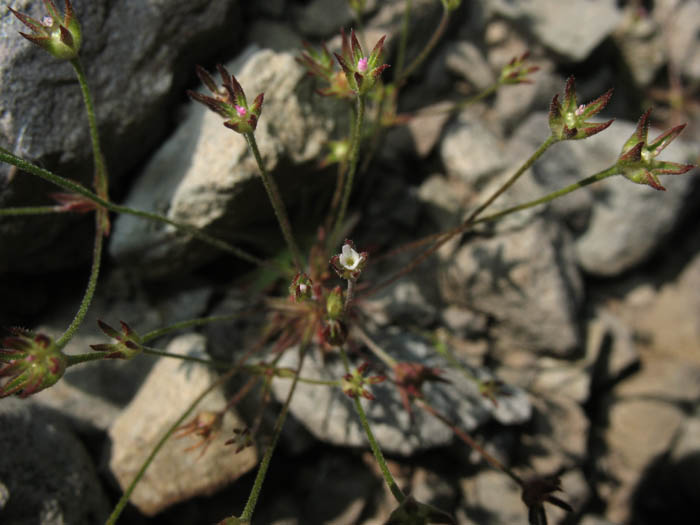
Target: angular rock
(330,415)
(571,29)
(466,60)
(46,475)
(132,53)
(526,280)
(470,151)
(205,176)
(175,475)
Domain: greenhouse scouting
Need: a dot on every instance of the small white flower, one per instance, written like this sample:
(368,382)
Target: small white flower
(349,258)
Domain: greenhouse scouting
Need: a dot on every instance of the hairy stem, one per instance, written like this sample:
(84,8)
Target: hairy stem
(378,455)
(84,358)
(354,154)
(469,221)
(91,286)
(200,321)
(67,184)
(249,508)
(276,201)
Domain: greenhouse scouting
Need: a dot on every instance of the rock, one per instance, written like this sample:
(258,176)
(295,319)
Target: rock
(175,475)
(557,437)
(269,34)
(131,52)
(561,377)
(330,415)
(403,302)
(639,431)
(526,280)
(431,488)
(46,475)
(92,394)
(681,23)
(610,348)
(443,201)
(470,151)
(426,127)
(641,42)
(465,59)
(205,176)
(322,18)
(491,497)
(570,29)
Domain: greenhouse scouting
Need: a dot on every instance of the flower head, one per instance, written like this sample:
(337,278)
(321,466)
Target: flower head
(349,264)
(409,378)
(321,64)
(638,163)
(301,288)
(517,71)
(229,101)
(128,343)
(538,491)
(568,119)
(32,362)
(361,71)
(59,35)
(205,425)
(354,384)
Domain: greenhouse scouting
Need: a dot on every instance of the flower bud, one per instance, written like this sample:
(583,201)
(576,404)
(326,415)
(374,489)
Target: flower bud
(301,288)
(128,343)
(361,71)
(334,303)
(568,119)
(59,35)
(32,362)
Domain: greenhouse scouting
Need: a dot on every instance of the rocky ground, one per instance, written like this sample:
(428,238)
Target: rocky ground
(588,308)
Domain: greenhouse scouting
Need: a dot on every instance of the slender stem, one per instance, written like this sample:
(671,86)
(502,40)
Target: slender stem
(100,167)
(276,201)
(340,179)
(613,170)
(374,347)
(249,508)
(405,29)
(6,156)
(378,455)
(100,182)
(468,222)
(91,286)
(209,362)
(474,99)
(32,210)
(469,441)
(155,334)
(348,294)
(354,154)
(528,163)
(112,520)
(434,39)
(84,358)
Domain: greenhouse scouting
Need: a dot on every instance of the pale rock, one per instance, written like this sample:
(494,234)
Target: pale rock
(175,474)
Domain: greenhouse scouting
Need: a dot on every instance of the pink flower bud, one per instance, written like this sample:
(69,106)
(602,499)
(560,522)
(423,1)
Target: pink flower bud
(241,111)
(362,65)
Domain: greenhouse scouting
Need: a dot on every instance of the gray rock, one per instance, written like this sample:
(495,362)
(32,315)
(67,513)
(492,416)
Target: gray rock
(131,52)
(685,458)
(403,302)
(175,475)
(470,151)
(638,432)
(526,280)
(205,176)
(641,42)
(330,415)
(491,497)
(466,60)
(442,199)
(571,29)
(322,18)
(681,23)
(46,475)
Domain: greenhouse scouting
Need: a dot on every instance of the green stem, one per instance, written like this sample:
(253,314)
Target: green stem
(405,28)
(276,201)
(348,294)
(84,358)
(155,334)
(613,170)
(354,155)
(249,508)
(100,167)
(91,286)
(469,221)
(374,347)
(209,362)
(31,210)
(378,455)
(6,156)
(434,39)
